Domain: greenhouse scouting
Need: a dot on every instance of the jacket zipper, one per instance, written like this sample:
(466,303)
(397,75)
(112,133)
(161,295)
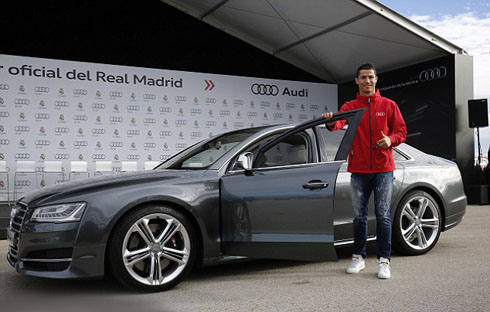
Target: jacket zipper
(370,144)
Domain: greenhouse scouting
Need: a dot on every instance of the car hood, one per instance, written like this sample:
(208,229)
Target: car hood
(123,179)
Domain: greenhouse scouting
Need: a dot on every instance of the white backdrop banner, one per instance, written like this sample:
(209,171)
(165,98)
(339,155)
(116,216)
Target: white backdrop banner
(52,110)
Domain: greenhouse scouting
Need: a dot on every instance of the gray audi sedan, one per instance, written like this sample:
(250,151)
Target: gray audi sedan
(267,192)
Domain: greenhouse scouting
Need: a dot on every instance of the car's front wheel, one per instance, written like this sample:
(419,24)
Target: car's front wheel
(417,224)
(152,248)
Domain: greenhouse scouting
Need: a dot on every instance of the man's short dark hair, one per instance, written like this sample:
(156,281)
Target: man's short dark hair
(365,66)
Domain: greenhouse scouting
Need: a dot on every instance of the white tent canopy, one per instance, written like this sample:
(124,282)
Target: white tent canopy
(327,38)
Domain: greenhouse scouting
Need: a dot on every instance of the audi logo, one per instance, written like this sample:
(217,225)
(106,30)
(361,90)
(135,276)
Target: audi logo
(180,98)
(238,124)
(60,104)
(180,145)
(238,102)
(314,106)
(210,101)
(80,117)
(196,134)
(22,183)
(42,142)
(41,116)
(61,130)
(98,105)
(433,73)
(290,105)
(114,94)
(165,157)
(196,111)
(116,119)
(61,156)
(133,157)
(80,92)
(22,156)
(150,145)
(165,109)
(80,143)
(41,89)
(116,144)
(210,123)
(4,142)
(149,120)
(264,89)
(224,113)
(165,133)
(264,104)
(278,115)
(133,132)
(181,122)
(252,114)
(22,129)
(4,86)
(133,108)
(98,131)
(22,101)
(98,156)
(302,117)
(149,96)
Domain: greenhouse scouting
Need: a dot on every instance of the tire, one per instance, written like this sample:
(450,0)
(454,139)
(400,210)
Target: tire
(417,224)
(152,249)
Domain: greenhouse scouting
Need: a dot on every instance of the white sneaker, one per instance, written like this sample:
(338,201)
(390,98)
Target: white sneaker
(356,265)
(384,270)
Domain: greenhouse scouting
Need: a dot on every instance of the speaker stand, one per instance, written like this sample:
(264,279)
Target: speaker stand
(479,146)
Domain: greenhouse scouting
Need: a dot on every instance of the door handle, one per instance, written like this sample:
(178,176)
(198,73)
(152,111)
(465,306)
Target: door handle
(314,185)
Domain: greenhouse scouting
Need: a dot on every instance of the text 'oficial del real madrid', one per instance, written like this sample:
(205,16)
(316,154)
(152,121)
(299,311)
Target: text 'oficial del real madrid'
(99,76)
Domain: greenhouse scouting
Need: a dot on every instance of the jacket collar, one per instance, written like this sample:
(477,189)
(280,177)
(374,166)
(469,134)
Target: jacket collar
(365,98)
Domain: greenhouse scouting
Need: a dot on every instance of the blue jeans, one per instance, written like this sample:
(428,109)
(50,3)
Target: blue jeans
(361,187)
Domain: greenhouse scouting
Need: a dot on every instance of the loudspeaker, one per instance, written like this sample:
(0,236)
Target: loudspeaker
(478,113)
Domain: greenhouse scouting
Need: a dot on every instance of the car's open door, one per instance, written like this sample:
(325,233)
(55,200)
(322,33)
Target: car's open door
(283,206)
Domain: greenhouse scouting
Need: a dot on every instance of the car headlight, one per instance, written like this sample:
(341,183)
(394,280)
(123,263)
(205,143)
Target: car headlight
(59,213)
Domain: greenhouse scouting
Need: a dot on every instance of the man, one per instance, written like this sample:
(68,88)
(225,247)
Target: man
(371,165)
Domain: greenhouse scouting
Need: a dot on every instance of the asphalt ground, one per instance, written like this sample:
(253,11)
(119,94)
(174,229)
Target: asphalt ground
(454,276)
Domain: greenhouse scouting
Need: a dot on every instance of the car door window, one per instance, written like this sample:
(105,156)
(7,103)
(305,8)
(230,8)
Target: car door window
(329,142)
(292,150)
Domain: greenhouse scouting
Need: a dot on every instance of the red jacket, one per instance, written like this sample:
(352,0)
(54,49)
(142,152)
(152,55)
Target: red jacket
(381,114)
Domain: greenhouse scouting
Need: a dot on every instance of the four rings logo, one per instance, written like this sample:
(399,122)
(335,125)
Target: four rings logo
(80,92)
(23,183)
(165,133)
(238,124)
(114,94)
(98,131)
(165,109)
(42,142)
(22,101)
(61,130)
(278,115)
(60,104)
(181,122)
(150,145)
(80,117)
(196,111)
(180,98)
(264,89)
(41,116)
(98,105)
(211,123)
(149,96)
(210,101)
(133,108)
(116,119)
(224,113)
(238,102)
(433,74)
(61,156)
(149,120)
(4,142)
(22,156)
(80,143)
(41,89)
(165,157)
(98,156)
(133,132)
(116,144)
(4,86)
(180,145)
(4,114)
(133,157)
(196,134)
(22,129)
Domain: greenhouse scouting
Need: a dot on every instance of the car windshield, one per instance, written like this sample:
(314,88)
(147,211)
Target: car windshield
(205,153)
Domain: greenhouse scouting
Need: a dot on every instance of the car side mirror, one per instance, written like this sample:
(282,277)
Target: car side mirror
(245,161)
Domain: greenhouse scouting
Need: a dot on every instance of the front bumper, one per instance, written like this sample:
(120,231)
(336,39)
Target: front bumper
(50,249)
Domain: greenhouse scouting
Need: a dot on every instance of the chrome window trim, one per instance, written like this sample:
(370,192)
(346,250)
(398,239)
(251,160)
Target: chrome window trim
(46,260)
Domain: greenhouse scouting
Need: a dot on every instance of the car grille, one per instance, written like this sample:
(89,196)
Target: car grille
(16,222)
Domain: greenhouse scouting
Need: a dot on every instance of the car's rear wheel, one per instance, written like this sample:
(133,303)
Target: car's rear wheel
(417,224)
(152,248)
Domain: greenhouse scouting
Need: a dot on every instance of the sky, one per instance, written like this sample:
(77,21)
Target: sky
(465,23)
